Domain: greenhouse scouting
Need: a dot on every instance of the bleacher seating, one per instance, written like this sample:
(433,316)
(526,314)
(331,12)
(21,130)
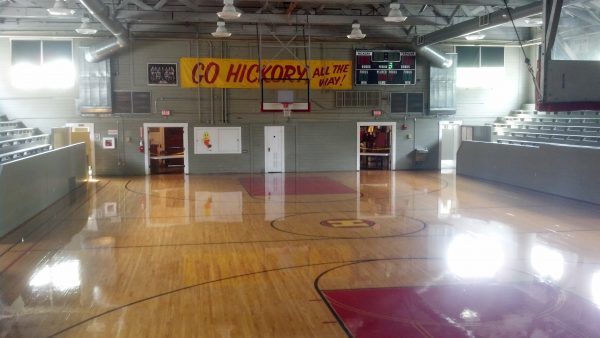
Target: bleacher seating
(18,141)
(531,128)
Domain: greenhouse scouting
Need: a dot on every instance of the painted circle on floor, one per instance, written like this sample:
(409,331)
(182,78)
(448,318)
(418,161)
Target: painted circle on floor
(344,224)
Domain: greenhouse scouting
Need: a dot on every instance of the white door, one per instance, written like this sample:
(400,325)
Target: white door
(274,149)
(449,143)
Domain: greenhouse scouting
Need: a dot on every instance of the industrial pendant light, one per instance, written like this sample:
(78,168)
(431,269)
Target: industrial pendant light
(85,27)
(229,11)
(60,8)
(395,15)
(221,31)
(474,36)
(356,33)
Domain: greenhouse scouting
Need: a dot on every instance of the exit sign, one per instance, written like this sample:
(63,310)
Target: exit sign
(165,112)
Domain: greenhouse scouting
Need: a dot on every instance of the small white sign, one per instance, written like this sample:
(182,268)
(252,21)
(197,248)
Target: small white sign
(113,132)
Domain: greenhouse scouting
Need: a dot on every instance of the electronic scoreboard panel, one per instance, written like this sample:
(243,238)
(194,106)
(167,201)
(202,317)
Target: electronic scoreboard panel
(385,67)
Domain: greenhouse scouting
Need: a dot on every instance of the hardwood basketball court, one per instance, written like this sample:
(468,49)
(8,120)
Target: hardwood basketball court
(367,254)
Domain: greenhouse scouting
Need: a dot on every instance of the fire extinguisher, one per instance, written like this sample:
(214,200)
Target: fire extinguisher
(141,147)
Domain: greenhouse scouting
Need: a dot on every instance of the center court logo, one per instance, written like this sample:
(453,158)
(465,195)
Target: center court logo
(347,223)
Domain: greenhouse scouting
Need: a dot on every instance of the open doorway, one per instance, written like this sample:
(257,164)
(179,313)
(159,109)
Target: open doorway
(376,146)
(449,143)
(84,132)
(166,148)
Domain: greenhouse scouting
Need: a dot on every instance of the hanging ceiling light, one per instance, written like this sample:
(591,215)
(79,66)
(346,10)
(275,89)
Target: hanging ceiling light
(395,15)
(356,33)
(85,27)
(221,31)
(229,11)
(60,8)
(474,36)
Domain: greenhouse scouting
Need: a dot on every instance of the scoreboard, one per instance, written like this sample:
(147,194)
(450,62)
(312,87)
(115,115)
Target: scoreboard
(384,67)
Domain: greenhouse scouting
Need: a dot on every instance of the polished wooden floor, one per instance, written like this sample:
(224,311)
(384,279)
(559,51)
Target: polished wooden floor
(201,256)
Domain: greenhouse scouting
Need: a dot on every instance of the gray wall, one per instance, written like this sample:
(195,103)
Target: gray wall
(565,171)
(324,139)
(55,174)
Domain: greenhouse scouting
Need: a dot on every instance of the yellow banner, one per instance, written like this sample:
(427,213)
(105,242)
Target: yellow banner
(241,73)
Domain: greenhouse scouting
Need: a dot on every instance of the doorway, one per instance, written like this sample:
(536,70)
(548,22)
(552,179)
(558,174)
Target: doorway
(166,148)
(376,143)
(84,132)
(449,143)
(274,149)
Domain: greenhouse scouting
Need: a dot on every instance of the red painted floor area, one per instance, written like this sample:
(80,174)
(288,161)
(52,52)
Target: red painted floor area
(474,310)
(293,185)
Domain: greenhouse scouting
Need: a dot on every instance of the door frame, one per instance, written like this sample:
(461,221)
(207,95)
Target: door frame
(392,141)
(456,123)
(282,147)
(186,150)
(90,127)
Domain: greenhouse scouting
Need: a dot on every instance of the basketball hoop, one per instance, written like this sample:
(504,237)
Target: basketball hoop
(287,109)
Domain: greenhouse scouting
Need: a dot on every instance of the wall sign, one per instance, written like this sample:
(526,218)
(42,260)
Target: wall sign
(242,73)
(162,74)
(108,143)
(217,140)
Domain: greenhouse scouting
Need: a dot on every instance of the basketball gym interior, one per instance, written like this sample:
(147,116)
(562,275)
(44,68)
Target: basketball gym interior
(300,168)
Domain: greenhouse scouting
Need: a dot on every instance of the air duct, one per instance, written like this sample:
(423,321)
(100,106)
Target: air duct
(435,58)
(422,43)
(106,49)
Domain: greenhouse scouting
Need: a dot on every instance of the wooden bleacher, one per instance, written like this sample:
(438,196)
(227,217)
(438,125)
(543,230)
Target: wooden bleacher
(531,128)
(17,141)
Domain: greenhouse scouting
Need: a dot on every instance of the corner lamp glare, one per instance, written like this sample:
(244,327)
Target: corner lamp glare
(356,33)
(60,8)
(474,36)
(85,27)
(221,31)
(229,11)
(395,15)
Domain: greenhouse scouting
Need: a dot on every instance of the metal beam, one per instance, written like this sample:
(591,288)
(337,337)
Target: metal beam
(470,26)
(282,19)
(552,10)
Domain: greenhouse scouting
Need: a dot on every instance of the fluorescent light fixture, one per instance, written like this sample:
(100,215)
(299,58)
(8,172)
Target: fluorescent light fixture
(60,8)
(395,15)
(229,11)
(85,27)
(534,21)
(474,36)
(221,31)
(356,33)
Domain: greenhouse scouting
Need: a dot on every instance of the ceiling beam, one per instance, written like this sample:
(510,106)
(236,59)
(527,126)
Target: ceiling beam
(470,26)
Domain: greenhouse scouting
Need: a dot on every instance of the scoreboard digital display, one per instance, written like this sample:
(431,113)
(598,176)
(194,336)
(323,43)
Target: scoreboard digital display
(384,67)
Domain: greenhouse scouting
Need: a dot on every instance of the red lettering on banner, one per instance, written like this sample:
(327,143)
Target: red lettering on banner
(275,74)
(197,77)
(332,81)
(301,71)
(201,72)
(235,73)
(289,71)
(209,67)
(253,70)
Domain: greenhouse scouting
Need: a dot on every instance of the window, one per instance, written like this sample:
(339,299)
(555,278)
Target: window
(480,56)
(479,67)
(42,64)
